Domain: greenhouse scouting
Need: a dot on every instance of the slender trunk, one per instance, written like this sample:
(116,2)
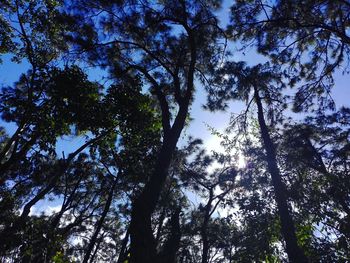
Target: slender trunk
(66,202)
(205,245)
(99,224)
(204,228)
(122,254)
(92,258)
(295,253)
(171,246)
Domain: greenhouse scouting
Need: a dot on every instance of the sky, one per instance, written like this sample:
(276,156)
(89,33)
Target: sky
(10,71)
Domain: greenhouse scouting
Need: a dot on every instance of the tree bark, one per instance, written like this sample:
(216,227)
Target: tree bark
(295,253)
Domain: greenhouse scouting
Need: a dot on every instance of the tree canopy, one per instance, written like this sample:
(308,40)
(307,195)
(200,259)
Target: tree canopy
(136,182)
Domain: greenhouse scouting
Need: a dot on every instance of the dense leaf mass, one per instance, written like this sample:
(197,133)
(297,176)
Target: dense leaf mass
(94,163)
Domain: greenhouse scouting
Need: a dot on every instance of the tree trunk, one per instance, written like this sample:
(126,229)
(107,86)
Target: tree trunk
(122,253)
(204,228)
(171,246)
(143,245)
(99,241)
(295,253)
(99,224)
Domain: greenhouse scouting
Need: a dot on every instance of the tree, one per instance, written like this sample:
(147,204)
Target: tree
(166,44)
(127,192)
(32,31)
(213,187)
(45,104)
(316,150)
(80,179)
(203,235)
(265,83)
(28,39)
(309,36)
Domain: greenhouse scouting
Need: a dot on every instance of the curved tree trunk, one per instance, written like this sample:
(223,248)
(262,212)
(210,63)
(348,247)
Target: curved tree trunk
(295,253)
(143,244)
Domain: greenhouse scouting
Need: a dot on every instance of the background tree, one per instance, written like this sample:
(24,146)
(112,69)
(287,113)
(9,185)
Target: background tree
(309,36)
(213,188)
(255,85)
(322,142)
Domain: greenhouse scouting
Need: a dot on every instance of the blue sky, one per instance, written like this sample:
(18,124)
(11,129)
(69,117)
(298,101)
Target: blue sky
(10,72)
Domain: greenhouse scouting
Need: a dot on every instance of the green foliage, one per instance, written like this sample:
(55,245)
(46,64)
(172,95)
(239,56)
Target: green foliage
(155,53)
(306,36)
(30,30)
(60,258)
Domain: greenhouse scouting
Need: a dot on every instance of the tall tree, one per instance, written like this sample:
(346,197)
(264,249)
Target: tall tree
(265,84)
(316,150)
(127,193)
(212,187)
(310,36)
(166,43)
